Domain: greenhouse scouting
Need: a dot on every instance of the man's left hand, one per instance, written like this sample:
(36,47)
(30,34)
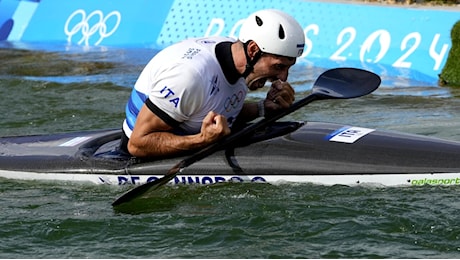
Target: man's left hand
(280,96)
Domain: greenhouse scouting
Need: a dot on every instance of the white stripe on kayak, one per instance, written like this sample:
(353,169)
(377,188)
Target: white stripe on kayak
(75,141)
(395,179)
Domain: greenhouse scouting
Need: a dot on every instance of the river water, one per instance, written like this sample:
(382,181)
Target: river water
(50,89)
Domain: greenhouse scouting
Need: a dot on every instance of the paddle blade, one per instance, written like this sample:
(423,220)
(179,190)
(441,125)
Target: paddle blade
(345,83)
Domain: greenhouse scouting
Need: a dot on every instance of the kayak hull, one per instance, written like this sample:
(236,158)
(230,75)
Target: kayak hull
(313,152)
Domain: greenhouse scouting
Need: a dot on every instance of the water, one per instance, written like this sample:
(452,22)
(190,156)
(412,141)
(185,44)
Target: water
(68,89)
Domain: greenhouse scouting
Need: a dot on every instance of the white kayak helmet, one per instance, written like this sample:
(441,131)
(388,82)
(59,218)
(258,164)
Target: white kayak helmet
(274,32)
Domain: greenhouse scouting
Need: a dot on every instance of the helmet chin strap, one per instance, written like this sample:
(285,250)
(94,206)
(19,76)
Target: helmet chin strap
(250,62)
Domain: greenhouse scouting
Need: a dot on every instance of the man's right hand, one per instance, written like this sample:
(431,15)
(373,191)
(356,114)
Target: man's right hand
(214,127)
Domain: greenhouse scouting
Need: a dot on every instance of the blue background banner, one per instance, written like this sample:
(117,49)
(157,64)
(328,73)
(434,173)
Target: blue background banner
(401,41)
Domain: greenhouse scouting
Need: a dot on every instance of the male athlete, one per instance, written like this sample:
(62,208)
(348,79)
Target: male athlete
(191,93)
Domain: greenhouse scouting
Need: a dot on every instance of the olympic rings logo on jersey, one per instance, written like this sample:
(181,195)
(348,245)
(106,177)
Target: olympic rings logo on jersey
(233,101)
(89,25)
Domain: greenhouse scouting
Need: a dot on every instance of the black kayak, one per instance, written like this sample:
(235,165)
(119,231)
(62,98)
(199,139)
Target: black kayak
(293,152)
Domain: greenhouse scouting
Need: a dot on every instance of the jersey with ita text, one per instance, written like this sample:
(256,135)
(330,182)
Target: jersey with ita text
(183,83)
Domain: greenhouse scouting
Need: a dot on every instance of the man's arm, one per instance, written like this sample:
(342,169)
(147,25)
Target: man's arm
(151,136)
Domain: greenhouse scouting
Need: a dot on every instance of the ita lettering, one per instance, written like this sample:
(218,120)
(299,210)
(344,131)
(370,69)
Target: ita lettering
(169,94)
(349,133)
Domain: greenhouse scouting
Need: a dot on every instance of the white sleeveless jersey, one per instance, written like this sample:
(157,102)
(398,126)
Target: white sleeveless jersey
(185,81)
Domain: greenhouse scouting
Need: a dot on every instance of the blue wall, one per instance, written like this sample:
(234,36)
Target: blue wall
(400,41)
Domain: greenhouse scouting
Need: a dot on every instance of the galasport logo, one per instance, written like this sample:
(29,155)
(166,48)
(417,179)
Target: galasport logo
(95,26)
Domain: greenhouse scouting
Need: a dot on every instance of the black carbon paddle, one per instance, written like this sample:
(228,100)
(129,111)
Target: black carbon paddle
(339,83)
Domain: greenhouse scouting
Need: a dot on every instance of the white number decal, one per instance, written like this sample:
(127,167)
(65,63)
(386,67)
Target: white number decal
(352,32)
(401,63)
(308,42)
(384,40)
(437,57)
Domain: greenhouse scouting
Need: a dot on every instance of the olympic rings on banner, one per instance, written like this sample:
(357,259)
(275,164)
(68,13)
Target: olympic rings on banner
(233,101)
(83,25)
